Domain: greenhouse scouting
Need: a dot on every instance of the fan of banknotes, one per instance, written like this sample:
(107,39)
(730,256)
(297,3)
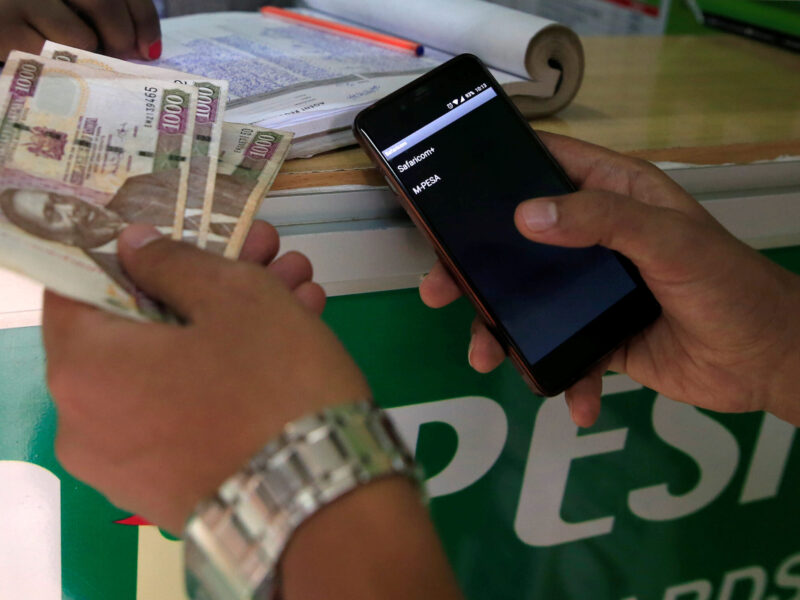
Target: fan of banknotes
(90,144)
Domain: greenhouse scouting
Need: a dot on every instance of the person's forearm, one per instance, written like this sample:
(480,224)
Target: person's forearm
(377,542)
(784,402)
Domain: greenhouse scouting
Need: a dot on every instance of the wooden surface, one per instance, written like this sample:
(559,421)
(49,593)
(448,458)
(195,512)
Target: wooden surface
(706,100)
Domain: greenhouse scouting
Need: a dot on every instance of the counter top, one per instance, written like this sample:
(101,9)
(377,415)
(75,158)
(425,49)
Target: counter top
(709,99)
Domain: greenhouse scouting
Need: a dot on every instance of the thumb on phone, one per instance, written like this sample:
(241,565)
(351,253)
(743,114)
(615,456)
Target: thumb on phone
(664,243)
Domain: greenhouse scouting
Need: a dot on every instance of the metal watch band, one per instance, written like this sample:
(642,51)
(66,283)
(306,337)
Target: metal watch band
(235,539)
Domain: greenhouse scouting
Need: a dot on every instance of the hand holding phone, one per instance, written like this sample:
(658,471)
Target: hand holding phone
(461,159)
(724,340)
(556,294)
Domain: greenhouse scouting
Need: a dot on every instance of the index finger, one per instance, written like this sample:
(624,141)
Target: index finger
(147,27)
(593,167)
(578,158)
(113,23)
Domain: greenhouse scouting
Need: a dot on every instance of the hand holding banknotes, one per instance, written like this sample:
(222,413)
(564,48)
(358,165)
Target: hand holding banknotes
(727,338)
(124,28)
(157,416)
(251,336)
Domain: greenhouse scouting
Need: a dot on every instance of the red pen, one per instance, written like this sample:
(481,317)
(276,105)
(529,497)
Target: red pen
(363,34)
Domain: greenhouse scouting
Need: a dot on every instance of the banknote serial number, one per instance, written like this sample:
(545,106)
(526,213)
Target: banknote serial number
(150,105)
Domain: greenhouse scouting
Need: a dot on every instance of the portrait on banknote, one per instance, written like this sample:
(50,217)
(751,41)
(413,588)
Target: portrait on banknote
(77,222)
(58,218)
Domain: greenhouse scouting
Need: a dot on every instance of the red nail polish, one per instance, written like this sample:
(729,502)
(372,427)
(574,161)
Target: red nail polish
(154,51)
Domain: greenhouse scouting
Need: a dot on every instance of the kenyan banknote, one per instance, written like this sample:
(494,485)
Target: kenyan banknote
(84,152)
(250,158)
(212,99)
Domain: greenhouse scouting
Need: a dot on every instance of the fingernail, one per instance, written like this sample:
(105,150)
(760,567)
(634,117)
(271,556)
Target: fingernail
(154,51)
(422,278)
(138,236)
(539,215)
(470,349)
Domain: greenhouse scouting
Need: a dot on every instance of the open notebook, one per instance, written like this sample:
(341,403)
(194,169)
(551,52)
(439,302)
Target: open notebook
(313,82)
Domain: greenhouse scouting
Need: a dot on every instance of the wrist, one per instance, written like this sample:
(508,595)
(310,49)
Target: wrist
(376,542)
(237,537)
(222,455)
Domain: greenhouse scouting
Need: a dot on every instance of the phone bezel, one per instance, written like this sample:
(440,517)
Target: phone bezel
(577,355)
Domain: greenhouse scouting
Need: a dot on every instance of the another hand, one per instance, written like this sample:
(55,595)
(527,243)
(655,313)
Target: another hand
(122,28)
(157,416)
(728,336)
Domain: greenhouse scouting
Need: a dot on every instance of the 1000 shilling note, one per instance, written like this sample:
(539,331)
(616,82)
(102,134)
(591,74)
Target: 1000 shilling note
(82,154)
(212,99)
(250,158)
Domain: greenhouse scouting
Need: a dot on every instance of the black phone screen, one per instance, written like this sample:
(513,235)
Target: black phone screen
(466,160)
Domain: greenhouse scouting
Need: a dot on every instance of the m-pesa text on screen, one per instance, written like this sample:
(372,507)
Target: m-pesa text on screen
(425,184)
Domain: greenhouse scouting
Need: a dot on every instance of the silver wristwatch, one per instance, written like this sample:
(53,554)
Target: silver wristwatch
(235,540)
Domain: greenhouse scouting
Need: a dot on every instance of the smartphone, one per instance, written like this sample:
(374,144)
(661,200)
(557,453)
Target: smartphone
(461,157)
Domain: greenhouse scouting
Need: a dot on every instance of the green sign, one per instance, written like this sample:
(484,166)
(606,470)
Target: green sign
(657,501)
(780,15)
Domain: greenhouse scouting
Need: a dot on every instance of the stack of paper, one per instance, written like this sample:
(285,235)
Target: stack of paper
(313,82)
